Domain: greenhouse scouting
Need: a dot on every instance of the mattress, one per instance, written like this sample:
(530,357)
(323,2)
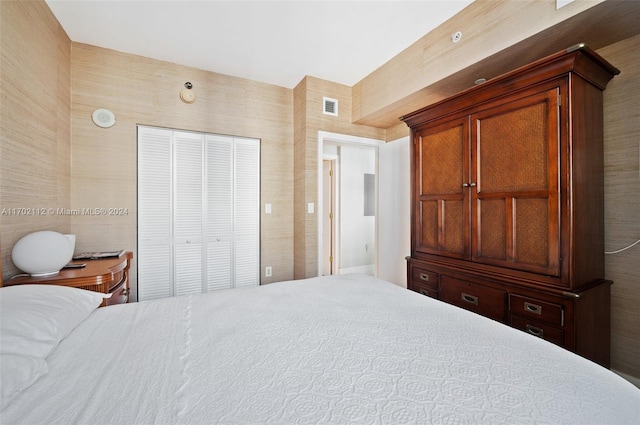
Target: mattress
(345,349)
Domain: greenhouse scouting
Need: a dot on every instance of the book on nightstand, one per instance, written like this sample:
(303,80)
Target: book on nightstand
(96,255)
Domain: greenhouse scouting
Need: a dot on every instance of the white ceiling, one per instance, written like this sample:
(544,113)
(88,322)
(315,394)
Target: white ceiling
(276,42)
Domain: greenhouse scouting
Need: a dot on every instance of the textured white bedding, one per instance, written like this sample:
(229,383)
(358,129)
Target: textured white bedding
(342,350)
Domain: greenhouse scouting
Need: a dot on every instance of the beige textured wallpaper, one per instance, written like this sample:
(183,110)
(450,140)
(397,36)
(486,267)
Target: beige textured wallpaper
(35,150)
(308,103)
(622,202)
(144,91)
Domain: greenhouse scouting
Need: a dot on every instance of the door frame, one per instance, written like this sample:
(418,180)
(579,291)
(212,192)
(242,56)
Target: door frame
(335,199)
(342,139)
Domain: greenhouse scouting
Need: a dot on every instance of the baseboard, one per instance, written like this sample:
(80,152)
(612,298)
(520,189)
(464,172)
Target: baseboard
(635,381)
(368,269)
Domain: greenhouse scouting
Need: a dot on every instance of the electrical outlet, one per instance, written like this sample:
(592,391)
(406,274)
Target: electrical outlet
(267,271)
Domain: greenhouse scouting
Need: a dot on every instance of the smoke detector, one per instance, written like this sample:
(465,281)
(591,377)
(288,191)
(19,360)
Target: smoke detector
(103,118)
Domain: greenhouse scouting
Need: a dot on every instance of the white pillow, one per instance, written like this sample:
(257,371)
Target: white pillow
(17,373)
(35,318)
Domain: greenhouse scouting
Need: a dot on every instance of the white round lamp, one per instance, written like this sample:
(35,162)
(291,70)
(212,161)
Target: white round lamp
(43,253)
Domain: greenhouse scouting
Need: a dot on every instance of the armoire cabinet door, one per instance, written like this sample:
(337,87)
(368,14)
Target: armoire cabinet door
(441,204)
(515,194)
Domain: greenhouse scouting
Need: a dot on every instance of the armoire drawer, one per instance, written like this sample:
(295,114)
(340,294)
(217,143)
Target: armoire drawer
(541,330)
(424,289)
(489,302)
(540,311)
(425,277)
(424,282)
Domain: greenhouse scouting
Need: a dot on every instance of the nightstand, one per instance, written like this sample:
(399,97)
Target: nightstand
(106,275)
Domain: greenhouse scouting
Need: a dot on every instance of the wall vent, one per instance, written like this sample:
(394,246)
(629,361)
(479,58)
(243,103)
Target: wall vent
(330,106)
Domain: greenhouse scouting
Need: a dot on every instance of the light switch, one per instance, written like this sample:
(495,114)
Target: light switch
(311,207)
(267,208)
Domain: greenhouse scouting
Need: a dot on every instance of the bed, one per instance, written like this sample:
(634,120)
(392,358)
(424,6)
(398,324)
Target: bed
(347,349)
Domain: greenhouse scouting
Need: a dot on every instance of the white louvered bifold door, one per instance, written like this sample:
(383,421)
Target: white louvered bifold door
(247,212)
(155,271)
(219,165)
(198,212)
(188,211)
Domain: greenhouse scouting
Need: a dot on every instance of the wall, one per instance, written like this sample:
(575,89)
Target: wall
(146,91)
(309,119)
(35,150)
(622,202)
(394,206)
(299,178)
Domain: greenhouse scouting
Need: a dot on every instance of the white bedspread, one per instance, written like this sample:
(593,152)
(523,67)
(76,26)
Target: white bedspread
(343,350)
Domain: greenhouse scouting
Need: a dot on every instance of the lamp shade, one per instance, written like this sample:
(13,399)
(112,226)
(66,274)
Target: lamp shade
(43,253)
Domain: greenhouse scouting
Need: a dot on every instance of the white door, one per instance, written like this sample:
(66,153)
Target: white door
(155,214)
(219,211)
(198,212)
(188,211)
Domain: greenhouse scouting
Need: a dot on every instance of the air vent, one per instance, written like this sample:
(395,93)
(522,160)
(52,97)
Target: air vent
(330,106)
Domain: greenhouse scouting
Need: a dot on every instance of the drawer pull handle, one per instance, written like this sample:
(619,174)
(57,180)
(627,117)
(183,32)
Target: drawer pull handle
(535,331)
(423,292)
(424,277)
(533,308)
(469,298)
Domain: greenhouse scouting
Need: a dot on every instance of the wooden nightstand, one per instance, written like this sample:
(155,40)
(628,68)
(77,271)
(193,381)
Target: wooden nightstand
(106,275)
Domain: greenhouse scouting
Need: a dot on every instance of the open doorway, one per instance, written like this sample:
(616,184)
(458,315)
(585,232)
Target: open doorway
(347,222)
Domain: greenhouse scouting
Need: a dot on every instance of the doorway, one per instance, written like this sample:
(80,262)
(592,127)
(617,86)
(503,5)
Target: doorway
(347,204)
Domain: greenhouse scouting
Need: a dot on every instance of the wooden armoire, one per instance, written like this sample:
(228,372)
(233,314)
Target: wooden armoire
(507,209)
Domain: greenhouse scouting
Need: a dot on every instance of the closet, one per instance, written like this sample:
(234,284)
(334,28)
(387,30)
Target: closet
(198,212)
(508,201)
